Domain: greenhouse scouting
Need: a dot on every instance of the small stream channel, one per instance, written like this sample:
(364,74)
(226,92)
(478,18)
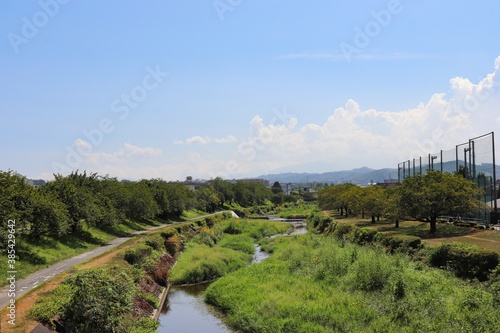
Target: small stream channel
(185,310)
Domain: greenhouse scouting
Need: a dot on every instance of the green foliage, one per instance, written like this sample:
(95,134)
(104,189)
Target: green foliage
(437,193)
(156,242)
(201,263)
(243,243)
(343,230)
(205,236)
(363,236)
(234,227)
(137,254)
(316,284)
(52,303)
(317,221)
(400,242)
(464,260)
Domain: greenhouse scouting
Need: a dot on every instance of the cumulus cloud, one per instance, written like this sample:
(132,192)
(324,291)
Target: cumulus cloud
(352,136)
(126,153)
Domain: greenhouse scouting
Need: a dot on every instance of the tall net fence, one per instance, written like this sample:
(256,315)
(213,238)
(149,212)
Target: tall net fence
(475,160)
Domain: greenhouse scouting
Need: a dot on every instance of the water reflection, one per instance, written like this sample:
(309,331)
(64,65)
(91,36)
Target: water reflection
(185,311)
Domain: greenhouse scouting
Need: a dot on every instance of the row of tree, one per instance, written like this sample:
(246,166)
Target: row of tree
(69,203)
(425,196)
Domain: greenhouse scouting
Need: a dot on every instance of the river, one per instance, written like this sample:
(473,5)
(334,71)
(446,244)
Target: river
(185,310)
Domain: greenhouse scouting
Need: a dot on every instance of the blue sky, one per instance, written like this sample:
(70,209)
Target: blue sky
(239,88)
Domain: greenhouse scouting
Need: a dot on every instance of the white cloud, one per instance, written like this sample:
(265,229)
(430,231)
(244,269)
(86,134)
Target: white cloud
(349,137)
(206,140)
(126,153)
(353,137)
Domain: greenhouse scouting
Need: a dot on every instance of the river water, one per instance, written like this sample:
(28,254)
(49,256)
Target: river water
(185,310)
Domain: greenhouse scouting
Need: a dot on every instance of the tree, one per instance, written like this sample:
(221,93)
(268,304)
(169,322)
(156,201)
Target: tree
(341,197)
(207,199)
(224,190)
(393,207)
(373,201)
(49,216)
(15,203)
(437,193)
(276,188)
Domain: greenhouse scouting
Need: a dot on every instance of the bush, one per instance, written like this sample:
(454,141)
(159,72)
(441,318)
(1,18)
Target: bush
(364,236)
(156,242)
(168,233)
(205,236)
(101,298)
(343,230)
(173,245)
(209,221)
(52,304)
(233,228)
(137,254)
(400,242)
(464,260)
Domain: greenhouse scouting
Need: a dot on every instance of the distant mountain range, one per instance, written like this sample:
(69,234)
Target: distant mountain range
(361,176)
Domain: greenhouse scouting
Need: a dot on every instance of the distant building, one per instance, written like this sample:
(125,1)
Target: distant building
(192,184)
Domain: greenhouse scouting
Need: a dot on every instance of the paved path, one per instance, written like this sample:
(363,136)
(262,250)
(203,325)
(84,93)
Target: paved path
(32,281)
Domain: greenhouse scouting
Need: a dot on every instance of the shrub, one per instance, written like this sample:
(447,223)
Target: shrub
(168,233)
(364,235)
(173,245)
(99,301)
(52,304)
(464,260)
(343,230)
(156,242)
(209,221)
(399,242)
(233,228)
(137,254)
(205,236)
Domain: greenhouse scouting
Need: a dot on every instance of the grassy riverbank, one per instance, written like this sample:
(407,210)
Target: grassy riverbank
(227,247)
(314,283)
(33,255)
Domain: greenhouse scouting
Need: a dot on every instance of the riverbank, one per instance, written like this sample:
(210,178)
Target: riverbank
(113,257)
(318,283)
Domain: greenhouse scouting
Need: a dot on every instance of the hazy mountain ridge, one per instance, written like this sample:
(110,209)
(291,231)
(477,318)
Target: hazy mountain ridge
(364,175)
(360,176)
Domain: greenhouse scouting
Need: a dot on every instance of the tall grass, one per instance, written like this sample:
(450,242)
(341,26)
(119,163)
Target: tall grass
(201,263)
(318,284)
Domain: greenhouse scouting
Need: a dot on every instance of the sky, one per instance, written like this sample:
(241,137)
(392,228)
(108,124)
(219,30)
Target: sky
(238,88)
